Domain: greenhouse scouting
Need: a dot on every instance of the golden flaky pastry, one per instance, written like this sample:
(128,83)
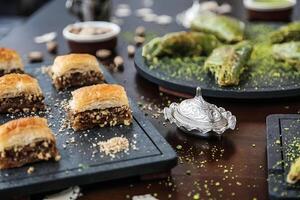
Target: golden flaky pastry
(98,96)
(24,131)
(66,64)
(10,59)
(13,85)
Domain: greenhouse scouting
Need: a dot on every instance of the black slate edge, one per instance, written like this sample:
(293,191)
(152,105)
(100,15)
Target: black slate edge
(275,154)
(274,151)
(146,73)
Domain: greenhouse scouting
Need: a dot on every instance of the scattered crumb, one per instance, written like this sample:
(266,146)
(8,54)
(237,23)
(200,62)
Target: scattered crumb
(45,69)
(196,196)
(35,56)
(57,158)
(30,170)
(118,61)
(52,47)
(139,40)
(114,145)
(130,50)
(140,31)
(103,54)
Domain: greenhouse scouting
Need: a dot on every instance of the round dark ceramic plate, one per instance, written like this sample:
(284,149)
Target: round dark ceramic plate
(247,89)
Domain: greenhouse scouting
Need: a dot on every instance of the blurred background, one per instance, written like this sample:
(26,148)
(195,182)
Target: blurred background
(14,12)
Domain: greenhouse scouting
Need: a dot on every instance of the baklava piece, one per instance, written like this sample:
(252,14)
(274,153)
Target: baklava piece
(10,62)
(75,70)
(20,93)
(102,105)
(26,140)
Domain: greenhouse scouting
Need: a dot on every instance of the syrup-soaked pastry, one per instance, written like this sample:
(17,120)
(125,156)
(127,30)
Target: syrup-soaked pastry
(288,52)
(20,93)
(102,105)
(225,28)
(180,44)
(227,63)
(75,70)
(294,173)
(287,33)
(10,62)
(26,140)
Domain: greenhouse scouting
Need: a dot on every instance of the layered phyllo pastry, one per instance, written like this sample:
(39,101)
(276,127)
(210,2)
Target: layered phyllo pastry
(20,93)
(99,105)
(10,62)
(287,33)
(227,63)
(75,70)
(26,140)
(294,173)
(225,28)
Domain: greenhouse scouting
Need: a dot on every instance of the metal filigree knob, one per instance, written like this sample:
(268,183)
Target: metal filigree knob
(198,117)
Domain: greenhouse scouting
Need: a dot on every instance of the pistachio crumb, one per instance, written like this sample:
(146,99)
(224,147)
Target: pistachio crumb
(179,147)
(196,196)
(30,170)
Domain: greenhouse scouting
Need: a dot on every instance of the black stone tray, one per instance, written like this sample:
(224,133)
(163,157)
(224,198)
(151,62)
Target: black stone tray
(246,89)
(78,166)
(282,130)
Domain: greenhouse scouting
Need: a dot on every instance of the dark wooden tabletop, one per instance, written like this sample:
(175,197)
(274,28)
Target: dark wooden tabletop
(231,168)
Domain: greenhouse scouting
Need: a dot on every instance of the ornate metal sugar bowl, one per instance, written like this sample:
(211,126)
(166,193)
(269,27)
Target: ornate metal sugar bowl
(200,118)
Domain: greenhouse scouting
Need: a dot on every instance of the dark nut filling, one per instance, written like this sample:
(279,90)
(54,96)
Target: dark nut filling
(17,71)
(20,155)
(105,117)
(78,79)
(23,103)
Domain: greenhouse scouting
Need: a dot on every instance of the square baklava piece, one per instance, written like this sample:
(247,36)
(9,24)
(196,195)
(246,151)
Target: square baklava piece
(75,70)
(99,105)
(26,140)
(20,93)
(10,62)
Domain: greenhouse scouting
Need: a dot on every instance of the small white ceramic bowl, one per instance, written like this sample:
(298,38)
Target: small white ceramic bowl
(270,11)
(91,43)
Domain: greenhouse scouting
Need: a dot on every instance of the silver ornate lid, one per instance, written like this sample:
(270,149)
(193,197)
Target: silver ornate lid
(198,117)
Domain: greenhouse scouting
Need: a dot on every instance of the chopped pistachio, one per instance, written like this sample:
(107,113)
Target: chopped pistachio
(196,196)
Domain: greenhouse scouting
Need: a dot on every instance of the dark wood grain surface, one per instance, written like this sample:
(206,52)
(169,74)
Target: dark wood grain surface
(231,168)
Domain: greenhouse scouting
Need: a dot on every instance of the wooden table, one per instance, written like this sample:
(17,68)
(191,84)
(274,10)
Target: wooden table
(231,168)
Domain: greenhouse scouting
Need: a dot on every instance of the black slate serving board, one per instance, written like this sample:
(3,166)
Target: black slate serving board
(282,132)
(247,89)
(81,162)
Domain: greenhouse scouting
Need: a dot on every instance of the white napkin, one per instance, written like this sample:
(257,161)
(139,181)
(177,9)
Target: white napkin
(71,193)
